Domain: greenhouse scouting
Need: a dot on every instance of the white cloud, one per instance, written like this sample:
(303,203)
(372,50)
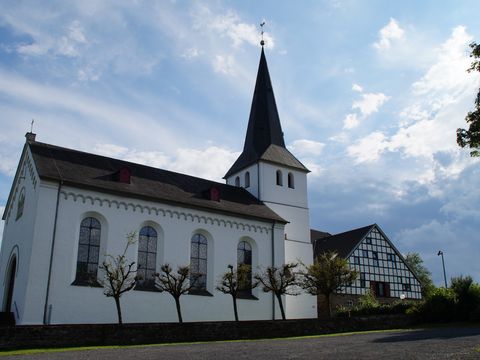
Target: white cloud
(370,103)
(224,64)
(369,148)
(8,165)
(306,148)
(191,53)
(390,33)
(351,121)
(357,88)
(209,163)
(440,100)
(448,73)
(230,25)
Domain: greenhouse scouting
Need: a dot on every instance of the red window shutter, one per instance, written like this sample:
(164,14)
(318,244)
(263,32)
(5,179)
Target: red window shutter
(373,287)
(387,289)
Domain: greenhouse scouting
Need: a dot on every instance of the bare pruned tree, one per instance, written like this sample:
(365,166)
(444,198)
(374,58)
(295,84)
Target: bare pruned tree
(120,275)
(175,284)
(233,283)
(280,281)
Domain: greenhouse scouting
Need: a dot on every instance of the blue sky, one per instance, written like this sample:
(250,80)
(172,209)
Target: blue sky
(370,94)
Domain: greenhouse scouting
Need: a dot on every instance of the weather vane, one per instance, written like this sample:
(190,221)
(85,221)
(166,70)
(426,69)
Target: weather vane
(262,42)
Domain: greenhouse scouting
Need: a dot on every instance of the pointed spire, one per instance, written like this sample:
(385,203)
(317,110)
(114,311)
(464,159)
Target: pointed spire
(264,128)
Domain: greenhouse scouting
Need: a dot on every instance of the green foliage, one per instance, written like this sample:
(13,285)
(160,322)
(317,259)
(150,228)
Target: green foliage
(467,296)
(439,306)
(368,301)
(415,262)
(471,137)
(329,273)
(368,305)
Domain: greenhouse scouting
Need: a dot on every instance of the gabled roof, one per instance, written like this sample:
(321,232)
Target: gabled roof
(343,243)
(85,170)
(264,139)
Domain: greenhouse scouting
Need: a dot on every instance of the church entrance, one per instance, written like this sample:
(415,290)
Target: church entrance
(11,283)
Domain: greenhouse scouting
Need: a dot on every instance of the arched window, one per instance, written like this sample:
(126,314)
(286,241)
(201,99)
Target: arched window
(198,262)
(291,181)
(279,178)
(88,251)
(244,257)
(247,179)
(237,181)
(147,258)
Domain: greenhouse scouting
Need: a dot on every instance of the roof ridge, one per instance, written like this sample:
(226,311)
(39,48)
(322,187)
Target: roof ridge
(62,148)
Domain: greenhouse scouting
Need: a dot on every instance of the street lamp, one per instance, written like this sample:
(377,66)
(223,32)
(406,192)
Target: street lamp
(440,253)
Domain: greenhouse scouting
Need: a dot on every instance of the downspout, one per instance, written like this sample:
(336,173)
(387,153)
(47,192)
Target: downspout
(273,264)
(45,315)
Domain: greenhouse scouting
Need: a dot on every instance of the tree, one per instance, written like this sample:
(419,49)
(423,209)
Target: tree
(120,275)
(280,281)
(232,283)
(471,137)
(415,263)
(175,283)
(328,274)
(467,296)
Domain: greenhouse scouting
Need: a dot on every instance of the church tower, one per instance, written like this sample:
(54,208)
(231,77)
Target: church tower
(271,173)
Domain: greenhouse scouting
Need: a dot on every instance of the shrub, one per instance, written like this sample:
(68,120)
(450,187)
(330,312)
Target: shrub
(438,307)
(369,305)
(467,296)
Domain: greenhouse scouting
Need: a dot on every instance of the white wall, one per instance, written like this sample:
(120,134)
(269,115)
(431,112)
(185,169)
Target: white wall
(18,235)
(79,304)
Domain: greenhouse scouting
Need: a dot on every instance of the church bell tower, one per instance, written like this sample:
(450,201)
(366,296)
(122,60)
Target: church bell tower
(276,177)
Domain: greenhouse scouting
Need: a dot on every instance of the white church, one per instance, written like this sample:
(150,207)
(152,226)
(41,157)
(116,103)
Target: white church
(67,209)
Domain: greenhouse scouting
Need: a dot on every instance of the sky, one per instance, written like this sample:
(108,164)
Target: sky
(370,94)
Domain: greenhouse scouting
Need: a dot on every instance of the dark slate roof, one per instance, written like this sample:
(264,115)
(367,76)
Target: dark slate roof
(97,172)
(343,243)
(264,140)
(317,234)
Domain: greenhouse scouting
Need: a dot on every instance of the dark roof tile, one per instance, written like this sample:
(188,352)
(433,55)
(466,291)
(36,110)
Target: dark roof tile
(343,243)
(100,173)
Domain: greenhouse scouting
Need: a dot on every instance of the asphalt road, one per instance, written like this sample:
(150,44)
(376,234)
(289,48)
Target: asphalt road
(439,343)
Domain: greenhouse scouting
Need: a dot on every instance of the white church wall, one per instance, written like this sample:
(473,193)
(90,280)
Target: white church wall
(254,183)
(304,305)
(80,304)
(292,205)
(270,191)
(18,235)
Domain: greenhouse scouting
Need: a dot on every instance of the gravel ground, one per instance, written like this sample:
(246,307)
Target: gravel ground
(439,343)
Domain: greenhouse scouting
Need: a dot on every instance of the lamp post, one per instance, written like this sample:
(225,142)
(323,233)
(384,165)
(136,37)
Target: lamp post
(440,253)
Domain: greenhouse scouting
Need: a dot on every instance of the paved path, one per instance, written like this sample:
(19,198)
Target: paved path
(441,343)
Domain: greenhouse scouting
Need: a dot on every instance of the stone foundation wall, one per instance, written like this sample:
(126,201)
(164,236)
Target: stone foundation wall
(39,336)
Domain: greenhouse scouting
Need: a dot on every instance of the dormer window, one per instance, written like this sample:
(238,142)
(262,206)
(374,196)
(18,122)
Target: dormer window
(123,175)
(237,181)
(291,182)
(247,179)
(279,178)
